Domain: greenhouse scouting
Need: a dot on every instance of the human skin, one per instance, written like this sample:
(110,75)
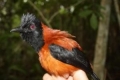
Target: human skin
(77,75)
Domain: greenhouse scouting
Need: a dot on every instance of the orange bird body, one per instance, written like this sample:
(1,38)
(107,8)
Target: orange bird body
(59,54)
(60,38)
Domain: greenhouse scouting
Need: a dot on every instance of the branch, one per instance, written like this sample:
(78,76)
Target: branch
(57,12)
(47,21)
(40,13)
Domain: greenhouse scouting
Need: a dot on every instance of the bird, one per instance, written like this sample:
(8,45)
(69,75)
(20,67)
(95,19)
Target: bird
(59,54)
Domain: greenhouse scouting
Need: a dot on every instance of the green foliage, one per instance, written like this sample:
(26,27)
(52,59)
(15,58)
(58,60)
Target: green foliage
(15,20)
(85,13)
(62,10)
(93,21)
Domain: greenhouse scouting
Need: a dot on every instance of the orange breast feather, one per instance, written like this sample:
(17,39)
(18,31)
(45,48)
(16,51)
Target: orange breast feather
(48,62)
(54,66)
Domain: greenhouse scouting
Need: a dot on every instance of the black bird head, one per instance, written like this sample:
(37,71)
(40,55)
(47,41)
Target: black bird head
(30,30)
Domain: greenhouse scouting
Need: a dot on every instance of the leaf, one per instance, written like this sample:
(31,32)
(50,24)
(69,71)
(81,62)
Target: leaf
(87,6)
(93,21)
(15,20)
(85,13)
(62,10)
(4,12)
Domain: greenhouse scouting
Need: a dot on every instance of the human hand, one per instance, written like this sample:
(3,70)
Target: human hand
(77,75)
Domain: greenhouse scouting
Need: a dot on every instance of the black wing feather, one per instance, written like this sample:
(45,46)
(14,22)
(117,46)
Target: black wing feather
(74,57)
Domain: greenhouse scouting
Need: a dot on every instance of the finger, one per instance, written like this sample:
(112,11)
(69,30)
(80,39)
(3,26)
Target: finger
(47,77)
(70,78)
(79,75)
(58,78)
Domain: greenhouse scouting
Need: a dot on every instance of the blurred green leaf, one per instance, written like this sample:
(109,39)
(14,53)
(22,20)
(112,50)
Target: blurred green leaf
(85,13)
(93,21)
(87,6)
(4,12)
(16,20)
(25,1)
(62,10)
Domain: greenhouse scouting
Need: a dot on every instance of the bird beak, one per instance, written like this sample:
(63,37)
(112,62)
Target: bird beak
(16,30)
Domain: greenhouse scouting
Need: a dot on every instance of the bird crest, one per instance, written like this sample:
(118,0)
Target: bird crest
(27,18)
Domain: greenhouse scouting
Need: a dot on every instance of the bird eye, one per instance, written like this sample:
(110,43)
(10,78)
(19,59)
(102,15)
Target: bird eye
(32,26)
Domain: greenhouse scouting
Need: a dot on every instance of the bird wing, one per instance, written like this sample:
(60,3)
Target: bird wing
(74,57)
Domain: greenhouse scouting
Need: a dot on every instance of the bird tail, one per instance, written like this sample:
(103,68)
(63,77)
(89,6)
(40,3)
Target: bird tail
(94,76)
